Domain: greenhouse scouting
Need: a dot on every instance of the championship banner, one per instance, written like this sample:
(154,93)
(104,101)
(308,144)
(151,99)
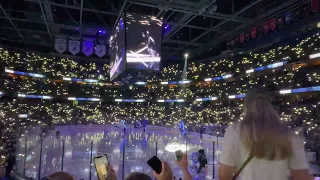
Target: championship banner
(288,17)
(60,45)
(74,46)
(260,30)
(266,27)
(87,47)
(305,9)
(241,39)
(253,32)
(247,35)
(280,21)
(315,6)
(100,50)
(273,24)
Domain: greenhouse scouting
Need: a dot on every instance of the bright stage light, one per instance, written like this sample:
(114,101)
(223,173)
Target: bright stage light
(186,55)
(175,147)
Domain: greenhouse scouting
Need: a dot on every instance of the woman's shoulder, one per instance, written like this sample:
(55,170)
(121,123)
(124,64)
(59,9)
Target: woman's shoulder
(233,129)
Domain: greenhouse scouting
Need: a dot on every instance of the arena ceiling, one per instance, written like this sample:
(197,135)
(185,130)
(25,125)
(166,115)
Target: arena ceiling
(195,26)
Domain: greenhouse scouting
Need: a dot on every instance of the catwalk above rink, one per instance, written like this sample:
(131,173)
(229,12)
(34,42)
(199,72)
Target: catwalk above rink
(73,148)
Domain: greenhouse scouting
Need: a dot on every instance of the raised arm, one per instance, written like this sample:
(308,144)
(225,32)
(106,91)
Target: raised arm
(183,163)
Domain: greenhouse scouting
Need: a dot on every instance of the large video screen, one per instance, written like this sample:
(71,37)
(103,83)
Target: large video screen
(117,50)
(143,41)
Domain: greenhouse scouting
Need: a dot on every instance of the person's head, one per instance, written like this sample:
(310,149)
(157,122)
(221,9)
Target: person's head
(261,130)
(201,151)
(60,176)
(138,176)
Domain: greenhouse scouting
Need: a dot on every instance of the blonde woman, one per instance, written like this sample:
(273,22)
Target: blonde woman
(261,146)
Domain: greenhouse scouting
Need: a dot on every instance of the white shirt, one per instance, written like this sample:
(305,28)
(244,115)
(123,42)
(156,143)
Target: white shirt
(235,154)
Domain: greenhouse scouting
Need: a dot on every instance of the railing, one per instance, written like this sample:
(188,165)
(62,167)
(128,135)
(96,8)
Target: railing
(128,151)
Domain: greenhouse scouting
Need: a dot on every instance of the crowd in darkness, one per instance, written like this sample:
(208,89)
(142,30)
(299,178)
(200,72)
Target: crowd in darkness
(297,110)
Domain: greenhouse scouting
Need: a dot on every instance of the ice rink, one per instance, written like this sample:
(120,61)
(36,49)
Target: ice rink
(127,151)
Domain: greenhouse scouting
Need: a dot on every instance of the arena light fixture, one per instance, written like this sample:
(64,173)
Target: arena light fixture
(118,100)
(249,71)
(164,82)
(91,80)
(186,55)
(23,115)
(175,147)
(46,97)
(66,79)
(213,98)
(21,95)
(140,100)
(274,65)
(285,91)
(227,76)
(72,98)
(140,83)
(8,71)
(316,55)
(184,82)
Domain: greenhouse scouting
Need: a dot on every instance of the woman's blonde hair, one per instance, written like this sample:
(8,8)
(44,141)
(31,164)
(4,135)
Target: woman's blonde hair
(264,136)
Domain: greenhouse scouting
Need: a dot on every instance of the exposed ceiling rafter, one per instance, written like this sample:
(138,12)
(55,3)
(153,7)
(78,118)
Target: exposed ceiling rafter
(45,17)
(220,24)
(11,22)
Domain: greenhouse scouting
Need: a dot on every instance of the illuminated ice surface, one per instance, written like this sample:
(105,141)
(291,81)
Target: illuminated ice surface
(133,148)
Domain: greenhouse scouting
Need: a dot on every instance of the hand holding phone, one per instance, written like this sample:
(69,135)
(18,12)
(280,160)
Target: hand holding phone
(155,164)
(179,155)
(162,170)
(102,166)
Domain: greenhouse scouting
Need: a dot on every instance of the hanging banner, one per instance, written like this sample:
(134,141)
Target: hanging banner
(74,46)
(253,32)
(296,14)
(315,6)
(305,9)
(241,39)
(60,45)
(273,24)
(260,30)
(247,35)
(288,17)
(100,50)
(87,47)
(266,27)
(280,21)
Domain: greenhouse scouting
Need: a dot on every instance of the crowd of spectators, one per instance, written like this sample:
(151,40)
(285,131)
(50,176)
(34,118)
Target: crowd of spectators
(16,113)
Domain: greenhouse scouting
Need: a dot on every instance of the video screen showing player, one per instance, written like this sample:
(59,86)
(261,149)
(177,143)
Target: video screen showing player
(117,50)
(143,41)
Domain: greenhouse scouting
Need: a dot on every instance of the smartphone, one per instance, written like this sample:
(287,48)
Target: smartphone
(102,165)
(179,155)
(155,164)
